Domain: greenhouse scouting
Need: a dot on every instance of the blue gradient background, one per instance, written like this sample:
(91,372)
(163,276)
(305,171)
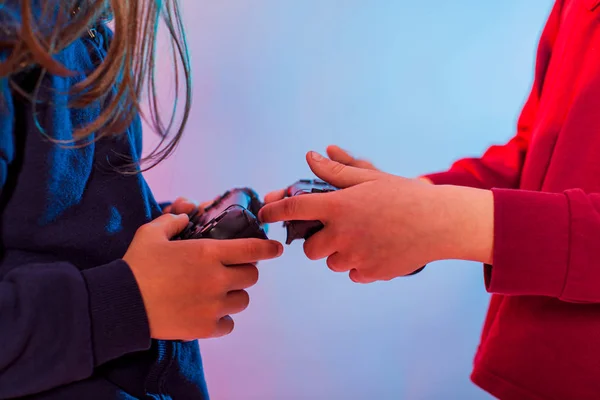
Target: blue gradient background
(409,85)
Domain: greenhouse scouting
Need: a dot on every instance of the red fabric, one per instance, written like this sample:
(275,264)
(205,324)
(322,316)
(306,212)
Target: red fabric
(541,337)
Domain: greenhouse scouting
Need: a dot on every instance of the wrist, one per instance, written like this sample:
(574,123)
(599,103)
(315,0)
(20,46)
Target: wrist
(465,225)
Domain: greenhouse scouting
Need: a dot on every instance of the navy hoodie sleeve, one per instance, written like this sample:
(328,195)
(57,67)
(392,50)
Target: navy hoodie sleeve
(58,323)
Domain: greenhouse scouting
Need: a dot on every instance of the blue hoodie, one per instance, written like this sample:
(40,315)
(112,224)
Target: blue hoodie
(72,320)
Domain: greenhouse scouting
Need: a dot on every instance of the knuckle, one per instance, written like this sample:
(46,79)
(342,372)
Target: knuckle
(338,168)
(164,220)
(353,259)
(203,250)
(290,206)
(193,257)
(251,248)
(260,249)
(333,204)
(145,229)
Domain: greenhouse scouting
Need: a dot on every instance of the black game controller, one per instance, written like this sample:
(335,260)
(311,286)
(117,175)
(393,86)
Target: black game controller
(305,229)
(231,216)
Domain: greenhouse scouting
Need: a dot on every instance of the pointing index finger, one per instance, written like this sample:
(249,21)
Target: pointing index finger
(305,207)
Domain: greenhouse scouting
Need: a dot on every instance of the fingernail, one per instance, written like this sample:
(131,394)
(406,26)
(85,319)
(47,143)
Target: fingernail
(316,156)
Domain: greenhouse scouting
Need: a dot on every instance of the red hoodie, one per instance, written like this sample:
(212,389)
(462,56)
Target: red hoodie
(541,338)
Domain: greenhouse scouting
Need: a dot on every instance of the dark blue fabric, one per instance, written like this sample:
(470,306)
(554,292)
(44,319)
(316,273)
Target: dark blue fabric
(72,320)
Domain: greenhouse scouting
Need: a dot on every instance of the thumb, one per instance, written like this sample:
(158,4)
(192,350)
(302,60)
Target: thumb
(169,225)
(337,174)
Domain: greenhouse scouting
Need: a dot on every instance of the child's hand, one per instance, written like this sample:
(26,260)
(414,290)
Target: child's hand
(380,226)
(191,287)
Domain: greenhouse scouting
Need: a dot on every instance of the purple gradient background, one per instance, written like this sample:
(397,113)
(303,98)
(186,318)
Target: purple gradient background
(410,85)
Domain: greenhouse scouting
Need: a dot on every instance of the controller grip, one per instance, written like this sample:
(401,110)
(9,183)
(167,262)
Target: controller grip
(301,229)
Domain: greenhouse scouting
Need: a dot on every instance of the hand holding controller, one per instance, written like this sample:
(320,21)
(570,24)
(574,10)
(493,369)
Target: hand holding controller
(304,229)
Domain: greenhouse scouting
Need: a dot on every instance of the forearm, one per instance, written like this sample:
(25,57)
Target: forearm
(533,243)
(466,223)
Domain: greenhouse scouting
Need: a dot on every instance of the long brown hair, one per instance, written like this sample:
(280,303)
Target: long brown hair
(129,65)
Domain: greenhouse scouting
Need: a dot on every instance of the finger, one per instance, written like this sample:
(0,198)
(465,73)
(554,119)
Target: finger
(247,251)
(183,206)
(274,196)
(320,245)
(340,155)
(167,209)
(224,327)
(236,302)
(168,225)
(312,207)
(177,202)
(338,263)
(242,276)
(204,205)
(357,276)
(337,174)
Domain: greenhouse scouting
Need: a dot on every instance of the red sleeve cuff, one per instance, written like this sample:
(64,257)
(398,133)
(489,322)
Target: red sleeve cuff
(531,243)
(455,177)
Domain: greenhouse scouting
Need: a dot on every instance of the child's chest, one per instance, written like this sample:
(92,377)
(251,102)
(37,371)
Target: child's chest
(69,198)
